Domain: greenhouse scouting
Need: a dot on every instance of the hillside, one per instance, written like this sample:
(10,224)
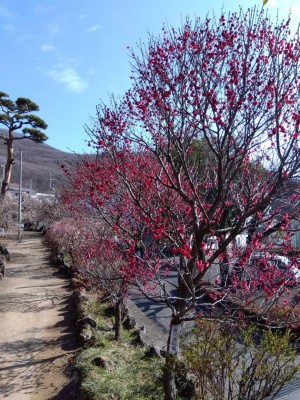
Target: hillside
(41,164)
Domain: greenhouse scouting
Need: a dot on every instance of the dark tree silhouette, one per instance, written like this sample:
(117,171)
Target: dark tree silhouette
(14,116)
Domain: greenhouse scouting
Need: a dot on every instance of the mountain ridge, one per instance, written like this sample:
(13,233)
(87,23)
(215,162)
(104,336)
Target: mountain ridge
(41,164)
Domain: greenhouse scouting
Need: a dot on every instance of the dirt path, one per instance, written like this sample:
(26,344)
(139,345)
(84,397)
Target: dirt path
(36,331)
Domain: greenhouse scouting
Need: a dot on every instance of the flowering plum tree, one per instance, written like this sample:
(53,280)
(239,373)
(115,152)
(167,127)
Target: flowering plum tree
(231,86)
(97,258)
(62,234)
(100,262)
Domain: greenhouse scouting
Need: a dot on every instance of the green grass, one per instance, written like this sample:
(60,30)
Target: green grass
(131,375)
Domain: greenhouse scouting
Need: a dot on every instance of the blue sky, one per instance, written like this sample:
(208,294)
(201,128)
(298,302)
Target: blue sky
(67,55)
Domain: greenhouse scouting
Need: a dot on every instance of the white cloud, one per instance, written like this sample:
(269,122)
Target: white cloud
(295,11)
(69,78)
(295,16)
(273,3)
(48,48)
(92,28)
(282,9)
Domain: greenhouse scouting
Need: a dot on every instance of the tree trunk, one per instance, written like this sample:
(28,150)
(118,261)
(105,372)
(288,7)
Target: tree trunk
(8,165)
(118,318)
(169,369)
(224,271)
(168,378)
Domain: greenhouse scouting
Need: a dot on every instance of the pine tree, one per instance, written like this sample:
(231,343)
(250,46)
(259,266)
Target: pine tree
(15,116)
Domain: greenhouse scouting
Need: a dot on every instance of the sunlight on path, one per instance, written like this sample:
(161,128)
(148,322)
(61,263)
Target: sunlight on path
(35,341)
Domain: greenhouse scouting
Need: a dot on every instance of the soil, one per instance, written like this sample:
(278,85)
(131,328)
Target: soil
(37,334)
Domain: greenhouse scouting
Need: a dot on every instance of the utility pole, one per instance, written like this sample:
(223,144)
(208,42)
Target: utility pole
(20,198)
(51,180)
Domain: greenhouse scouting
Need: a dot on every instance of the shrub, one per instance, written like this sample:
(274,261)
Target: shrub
(234,362)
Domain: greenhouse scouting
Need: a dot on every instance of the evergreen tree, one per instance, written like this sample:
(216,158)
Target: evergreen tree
(15,116)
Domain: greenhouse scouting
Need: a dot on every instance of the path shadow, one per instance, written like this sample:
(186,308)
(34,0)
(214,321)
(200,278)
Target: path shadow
(69,392)
(20,372)
(26,361)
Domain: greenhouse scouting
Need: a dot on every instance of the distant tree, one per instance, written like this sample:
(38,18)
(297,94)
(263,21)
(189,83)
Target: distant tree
(8,211)
(42,213)
(14,116)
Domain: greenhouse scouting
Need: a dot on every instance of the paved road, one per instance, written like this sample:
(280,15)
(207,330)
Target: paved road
(291,391)
(157,324)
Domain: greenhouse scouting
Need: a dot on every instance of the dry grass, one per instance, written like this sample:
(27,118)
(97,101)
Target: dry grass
(129,376)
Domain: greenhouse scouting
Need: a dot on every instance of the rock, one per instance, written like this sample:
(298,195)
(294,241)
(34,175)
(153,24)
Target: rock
(154,351)
(186,387)
(185,382)
(65,269)
(82,308)
(139,336)
(86,335)
(29,226)
(76,283)
(129,322)
(83,298)
(103,362)
(87,320)
(60,258)
(163,353)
